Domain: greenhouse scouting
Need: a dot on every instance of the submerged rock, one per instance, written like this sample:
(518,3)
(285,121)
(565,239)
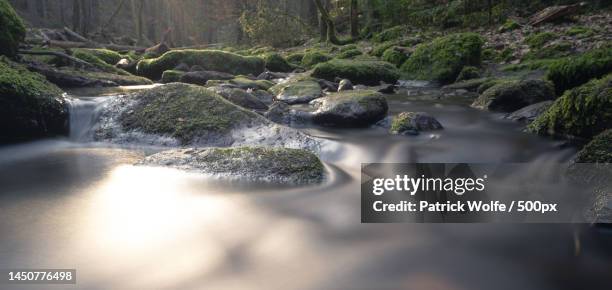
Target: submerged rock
(278,165)
(30,106)
(181,114)
(411,123)
(363,72)
(514,95)
(350,109)
(582,112)
(530,113)
(211,60)
(201,77)
(297,91)
(240,97)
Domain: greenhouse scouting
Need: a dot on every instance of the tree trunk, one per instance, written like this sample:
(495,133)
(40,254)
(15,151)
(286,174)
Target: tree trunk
(354,19)
(331,28)
(76,15)
(490,8)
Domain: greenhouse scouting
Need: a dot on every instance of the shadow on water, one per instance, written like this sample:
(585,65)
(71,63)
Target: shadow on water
(65,203)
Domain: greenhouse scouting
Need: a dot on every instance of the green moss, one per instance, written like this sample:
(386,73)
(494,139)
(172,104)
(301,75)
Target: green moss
(30,106)
(243,82)
(185,112)
(358,71)
(108,56)
(213,60)
(509,96)
(12,29)
(581,31)
(581,112)
(295,58)
(556,50)
(599,150)
(171,76)
(380,49)
(571,72)
(349,54)
(348,47)
(532,64)
(468,73)
(122,80)
(538,40)
(394,56)
(276,63)
(509,25)
(313,58)
(443,59)
(390,34)
(90,57)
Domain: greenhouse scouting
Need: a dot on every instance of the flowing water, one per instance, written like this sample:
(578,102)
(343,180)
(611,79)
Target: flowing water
(71,203)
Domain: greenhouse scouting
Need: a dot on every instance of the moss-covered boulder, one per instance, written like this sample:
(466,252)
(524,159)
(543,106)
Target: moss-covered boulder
(276,63)
(240,97)
(180,114)
(411,123)
(599,150)
(313,58)
(443,58)
(509,25)
(392,33)
(91,57)
(108,56)
(350,109)
(12,29)
(572,72)
(395,55)
(513,95)
(276,165)
(530,113)
(172,76)
(581,112)
(471,85)
(242,82)
(468,73)
(30,106)
(349,54)
(212,60)
(295,58)
(202,77)
(358,71)
(297,91)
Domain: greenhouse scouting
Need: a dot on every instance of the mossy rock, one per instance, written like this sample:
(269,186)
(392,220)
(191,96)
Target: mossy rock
(212,60)
(468,73)
(172,76)
(313,58)
(358,71)
(108,56)
(276,63)
(392,33)
(411,123)
(184,112)
(295,58)
(348,54)
(117,79)
(297,91)
(538,40)
(471,85)
(350,109)
(581,31)
(395,56)
(571,72)
(276,165)
(443,59)
(88,56)
(380,49)
(514,95)
(556,50)
(582,112)
(599,150)
(240,97)
(509,25)
(348,47)
(12,30)
(30,106)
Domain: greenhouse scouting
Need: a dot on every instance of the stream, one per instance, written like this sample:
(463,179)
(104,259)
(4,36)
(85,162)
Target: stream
(73,203)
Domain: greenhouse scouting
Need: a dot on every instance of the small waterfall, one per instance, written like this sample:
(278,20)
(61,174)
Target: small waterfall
(84,113)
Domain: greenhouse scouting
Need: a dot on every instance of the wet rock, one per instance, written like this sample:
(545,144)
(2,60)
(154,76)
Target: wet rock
(202,77)
(345,85)
(276,165)
(327,85)
(172,76)
(530,113)
(471,85)
(297,91)
(387,89)
(350,109)
(30,106)
(182,67)
(358,71)
(240,97)
(276,63)
(411,123)
(514,95)
(268,75)
(196,68)
(242,82)
(282,113)
(264,96)
(180,114)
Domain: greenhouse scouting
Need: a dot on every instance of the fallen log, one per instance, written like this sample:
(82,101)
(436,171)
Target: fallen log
(73,44)
(70,58)
(67,80)
(555,12)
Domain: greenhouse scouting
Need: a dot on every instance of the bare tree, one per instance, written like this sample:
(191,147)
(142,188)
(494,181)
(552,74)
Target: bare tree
(354,18)
(329,23)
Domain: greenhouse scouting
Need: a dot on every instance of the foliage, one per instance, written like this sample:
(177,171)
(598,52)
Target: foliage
(390,34)
(509,25)
(394,56)
(443,59)
(597,151)
(276,63)
(358,71)
(295,58)
(582,112)
(214,60)
(555,50)
(12,29)
(30,106)
(272,26)
(580,31)
(571,72)
(313,58)
(538,40)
